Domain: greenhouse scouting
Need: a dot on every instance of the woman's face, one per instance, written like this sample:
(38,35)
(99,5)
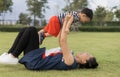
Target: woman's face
(83,57)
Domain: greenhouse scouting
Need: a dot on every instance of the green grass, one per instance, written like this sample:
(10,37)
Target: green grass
(104,46)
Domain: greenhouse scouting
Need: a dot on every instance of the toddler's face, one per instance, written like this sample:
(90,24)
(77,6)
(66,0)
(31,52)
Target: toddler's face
(83,17)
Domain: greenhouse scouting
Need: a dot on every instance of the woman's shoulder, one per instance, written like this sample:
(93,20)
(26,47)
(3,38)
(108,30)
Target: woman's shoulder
(68,67)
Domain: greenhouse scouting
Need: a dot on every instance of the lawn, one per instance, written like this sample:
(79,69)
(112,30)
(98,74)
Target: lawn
(104,46)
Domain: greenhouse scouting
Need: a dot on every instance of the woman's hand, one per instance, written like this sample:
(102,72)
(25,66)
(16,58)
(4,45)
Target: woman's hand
(69,19)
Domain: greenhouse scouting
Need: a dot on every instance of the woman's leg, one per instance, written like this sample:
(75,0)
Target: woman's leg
(11,57)
(33,41)
(17,40)
(28,41)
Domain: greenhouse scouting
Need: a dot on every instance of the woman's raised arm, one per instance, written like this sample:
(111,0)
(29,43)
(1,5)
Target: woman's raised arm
(67,55)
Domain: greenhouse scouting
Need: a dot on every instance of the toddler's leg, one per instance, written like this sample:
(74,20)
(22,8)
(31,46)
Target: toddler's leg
(47,35)
(41,31)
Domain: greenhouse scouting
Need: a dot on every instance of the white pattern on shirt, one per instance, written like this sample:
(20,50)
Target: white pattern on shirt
(61,16)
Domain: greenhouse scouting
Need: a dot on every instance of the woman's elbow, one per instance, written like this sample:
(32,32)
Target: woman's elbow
(62,40)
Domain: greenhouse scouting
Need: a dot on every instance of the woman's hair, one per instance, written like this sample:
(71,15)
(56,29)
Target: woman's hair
(91,63)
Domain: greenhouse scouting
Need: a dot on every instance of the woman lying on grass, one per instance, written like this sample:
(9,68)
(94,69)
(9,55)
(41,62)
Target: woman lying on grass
(36,58)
